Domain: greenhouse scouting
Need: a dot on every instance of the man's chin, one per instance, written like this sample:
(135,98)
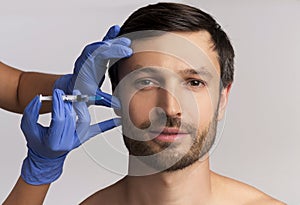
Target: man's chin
(168,161)
(181,165)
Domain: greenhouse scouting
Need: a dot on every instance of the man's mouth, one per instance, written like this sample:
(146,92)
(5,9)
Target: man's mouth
(168,134)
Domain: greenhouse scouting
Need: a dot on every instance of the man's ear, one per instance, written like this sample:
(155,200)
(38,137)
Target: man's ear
(223,101)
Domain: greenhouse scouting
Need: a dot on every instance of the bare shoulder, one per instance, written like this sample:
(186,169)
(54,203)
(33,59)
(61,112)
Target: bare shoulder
(236,192)
(106,196)
(265,201)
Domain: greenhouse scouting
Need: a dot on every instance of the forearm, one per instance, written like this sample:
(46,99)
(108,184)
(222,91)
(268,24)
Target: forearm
(17,88)
(32,84)
(24,193)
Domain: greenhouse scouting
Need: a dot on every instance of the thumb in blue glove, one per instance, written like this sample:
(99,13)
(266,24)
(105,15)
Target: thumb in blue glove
(49,146)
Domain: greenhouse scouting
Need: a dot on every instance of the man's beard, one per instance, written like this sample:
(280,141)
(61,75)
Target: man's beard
(169,156)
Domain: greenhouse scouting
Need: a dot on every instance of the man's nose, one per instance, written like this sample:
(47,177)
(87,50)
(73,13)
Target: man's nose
(169,103)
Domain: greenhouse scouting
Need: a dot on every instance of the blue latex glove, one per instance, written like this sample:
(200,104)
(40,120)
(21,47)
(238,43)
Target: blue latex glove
(49,146)
(90,67)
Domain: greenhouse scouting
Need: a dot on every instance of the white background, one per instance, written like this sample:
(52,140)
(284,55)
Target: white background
(261,137)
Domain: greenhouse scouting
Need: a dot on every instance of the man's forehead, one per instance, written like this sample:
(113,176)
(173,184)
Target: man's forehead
(176,51)
(191,48)
(162,39)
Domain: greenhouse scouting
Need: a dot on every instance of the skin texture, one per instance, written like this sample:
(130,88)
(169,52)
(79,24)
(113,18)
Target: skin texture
(18,88)
(196,183)
(24,193)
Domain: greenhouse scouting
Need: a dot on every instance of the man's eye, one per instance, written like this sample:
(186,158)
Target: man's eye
(145,83)
(196,83)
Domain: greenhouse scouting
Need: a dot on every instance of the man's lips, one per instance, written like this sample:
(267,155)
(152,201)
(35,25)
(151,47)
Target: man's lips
(168,134)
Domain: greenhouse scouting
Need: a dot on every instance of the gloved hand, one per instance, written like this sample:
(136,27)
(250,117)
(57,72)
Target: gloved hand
(90,67)
(49,146)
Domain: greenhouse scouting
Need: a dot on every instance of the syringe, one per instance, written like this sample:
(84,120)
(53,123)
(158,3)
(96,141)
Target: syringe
(72,98)
(105,99)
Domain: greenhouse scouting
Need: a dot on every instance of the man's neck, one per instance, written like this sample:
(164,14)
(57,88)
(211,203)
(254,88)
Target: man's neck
(191,185)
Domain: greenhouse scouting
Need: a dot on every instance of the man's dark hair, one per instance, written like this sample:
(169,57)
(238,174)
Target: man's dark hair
(174,17)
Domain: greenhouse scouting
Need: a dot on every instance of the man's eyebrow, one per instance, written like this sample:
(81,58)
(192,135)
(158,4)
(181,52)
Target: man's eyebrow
(150,69)
(201,72)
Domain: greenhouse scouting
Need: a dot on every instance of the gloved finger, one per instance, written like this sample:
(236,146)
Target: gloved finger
(64,84)
(116,51)
(104,45)
(82,124)
(68,137)
(81,109)
(122,41)
(107,100)
(97,48)
(101,127)
(84,119)
(112,33)
(88,51)
(104,49)
(31,116)
(58,121)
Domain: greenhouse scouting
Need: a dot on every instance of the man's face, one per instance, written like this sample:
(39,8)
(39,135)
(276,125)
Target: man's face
(169,92)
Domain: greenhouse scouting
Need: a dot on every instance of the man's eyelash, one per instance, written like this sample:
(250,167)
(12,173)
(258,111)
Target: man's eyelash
(201,82)
(140,84)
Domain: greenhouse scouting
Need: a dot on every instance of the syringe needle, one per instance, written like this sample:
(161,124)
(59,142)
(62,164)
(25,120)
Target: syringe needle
(106,100)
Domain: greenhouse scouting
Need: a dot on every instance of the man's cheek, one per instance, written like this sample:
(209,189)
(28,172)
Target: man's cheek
(139,108)
(201,112)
